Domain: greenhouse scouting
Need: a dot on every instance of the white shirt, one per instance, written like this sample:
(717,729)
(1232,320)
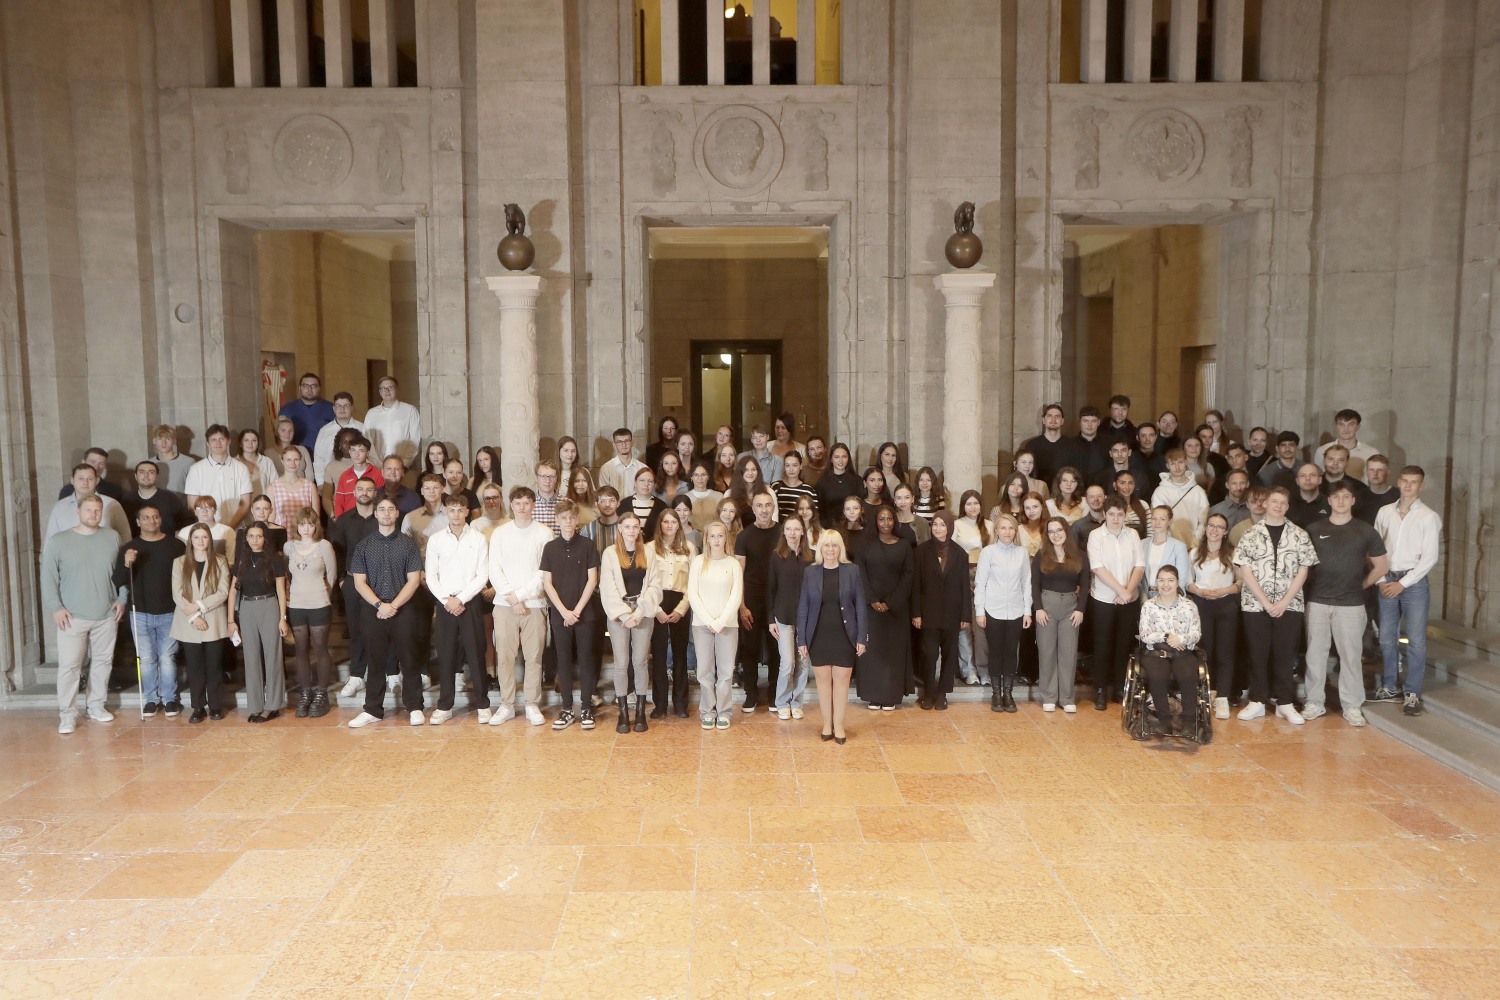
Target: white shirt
(1120,554)
(1002,587)
(65,516)
(225,481)
(1413,542)
(323,446)
(394,430)
(1212,575)
(621,475)
(456,564)
(516,562)
(264,475)
(421,526)
(220,533)
(966,537)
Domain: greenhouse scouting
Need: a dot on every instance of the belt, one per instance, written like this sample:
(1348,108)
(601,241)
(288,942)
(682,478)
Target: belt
(258,597)
(1397,574)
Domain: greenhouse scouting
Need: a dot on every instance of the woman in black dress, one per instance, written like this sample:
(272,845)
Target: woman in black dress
(943,608)
(831,628)
(836,482)
(886,560)
(877,495)
(851,525)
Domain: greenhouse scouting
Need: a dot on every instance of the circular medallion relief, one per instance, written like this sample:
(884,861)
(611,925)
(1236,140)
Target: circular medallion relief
(1166,144)
(739,150)
(313,151)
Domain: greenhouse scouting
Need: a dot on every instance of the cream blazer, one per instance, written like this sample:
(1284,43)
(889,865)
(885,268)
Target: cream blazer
(612,585)
(215,603)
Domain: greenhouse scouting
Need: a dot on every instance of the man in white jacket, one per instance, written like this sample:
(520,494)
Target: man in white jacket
(1181,492)
(520,605)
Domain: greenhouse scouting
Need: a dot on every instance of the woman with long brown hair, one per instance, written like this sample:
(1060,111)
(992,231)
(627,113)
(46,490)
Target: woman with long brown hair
(569,457)
(942,609)
(724,468)
(1216,591)
(971,532)
(789,563)
(673,559)
(1059,580)
(200,587)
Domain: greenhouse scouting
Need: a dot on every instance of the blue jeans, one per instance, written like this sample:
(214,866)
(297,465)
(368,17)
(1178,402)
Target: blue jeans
(791,683)
(158,652)
(1409,609)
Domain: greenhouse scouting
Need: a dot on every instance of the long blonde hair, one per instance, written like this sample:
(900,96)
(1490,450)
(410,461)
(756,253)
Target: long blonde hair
(628,559)
(708,530)
(213,566)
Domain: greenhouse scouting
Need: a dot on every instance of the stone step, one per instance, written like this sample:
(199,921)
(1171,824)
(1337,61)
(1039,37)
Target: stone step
(1476,708)
(1469,750)
(1464,666)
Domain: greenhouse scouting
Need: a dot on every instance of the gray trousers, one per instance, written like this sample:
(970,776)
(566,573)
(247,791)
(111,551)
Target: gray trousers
(265,677)
(1057,644)
(632,649)
(91,642)
(1346,627)
(716,655)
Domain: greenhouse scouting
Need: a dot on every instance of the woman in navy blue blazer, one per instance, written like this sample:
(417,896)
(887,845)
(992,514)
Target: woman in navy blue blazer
(832,629)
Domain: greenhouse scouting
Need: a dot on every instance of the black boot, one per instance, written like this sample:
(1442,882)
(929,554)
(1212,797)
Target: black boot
(659,708)
(304,704)
(995,699)
(320,706)
(1101,697)
(1007,702)
(623,725)
(640,714)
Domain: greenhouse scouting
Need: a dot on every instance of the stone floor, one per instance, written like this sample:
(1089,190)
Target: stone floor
(948,855)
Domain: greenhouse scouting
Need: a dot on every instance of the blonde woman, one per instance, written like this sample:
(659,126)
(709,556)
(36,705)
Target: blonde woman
(715,592)
(832,629)
(1002,605)
(673,553)
(292,491)
(627,588)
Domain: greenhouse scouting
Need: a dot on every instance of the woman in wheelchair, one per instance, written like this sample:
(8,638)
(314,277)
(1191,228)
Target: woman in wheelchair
(1169,630)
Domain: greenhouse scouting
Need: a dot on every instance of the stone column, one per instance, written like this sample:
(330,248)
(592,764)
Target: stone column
(520,410)
(963,451)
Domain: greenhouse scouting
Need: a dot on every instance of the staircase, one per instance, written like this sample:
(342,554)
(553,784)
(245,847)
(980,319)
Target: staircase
(1460,723)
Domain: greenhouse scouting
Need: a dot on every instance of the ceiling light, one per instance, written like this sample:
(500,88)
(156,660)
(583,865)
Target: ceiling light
(728,359)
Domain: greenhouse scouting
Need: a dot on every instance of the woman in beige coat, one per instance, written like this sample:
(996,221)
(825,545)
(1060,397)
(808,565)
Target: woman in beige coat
(200,585)
(630,594)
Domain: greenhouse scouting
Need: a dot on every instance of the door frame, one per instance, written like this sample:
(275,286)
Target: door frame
(734,348)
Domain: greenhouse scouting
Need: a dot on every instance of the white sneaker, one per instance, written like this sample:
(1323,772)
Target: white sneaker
(1311,712)
(417,718)
(484,716)
(1254,710)
(1290,714)
(796,712)
(1048,706)
(1355,717)
(352,687)
(1221,708)
(101,715)
(533,715)
(505,713)
(66,724)
(363,719)
(784,713)
(440,716)
(1070,709)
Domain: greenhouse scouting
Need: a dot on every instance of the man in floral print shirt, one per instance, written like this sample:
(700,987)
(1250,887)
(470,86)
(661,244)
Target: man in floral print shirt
(1273,559)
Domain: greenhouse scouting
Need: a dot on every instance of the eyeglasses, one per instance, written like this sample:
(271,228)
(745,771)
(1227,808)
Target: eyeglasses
(310,385)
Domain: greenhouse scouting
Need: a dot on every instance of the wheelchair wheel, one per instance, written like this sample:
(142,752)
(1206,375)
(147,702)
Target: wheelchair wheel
(1133,701)
(1205,726)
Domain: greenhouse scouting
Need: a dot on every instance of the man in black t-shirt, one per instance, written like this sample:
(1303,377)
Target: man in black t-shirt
(1308,502)
(753,547)
(145,566)
(1351,557)
(170,506)
(348,530)
(570,575)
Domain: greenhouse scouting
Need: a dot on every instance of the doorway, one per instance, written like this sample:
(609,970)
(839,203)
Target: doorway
(736,382)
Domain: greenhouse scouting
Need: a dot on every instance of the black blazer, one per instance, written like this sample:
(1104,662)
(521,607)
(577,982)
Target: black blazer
(942,599)
(851,604)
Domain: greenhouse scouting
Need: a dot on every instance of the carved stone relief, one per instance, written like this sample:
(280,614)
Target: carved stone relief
(664,151)
(1242,119)
(236,160)
(1086,122)
(739,150)
(446,143)
(390,161)
(815,124)
(313,151)
(1166,144)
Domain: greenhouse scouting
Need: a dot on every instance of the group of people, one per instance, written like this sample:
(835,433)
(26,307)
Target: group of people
(720,563)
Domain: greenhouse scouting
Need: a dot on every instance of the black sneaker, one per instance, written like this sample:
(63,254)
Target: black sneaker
(1412,705)
(1385,694)
(586,719)
(149,710)
(174,709)
(564,720)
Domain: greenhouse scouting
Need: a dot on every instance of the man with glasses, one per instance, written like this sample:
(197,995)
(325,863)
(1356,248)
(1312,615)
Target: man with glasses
(309,411)
(394,427)
(343,416)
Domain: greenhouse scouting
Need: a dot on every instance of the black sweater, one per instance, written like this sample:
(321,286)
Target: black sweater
(784,588)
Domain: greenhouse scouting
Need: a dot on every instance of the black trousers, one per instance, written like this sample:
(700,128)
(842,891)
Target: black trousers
(1114,627)
(675,635)
(1161,668)
(939,652)
(1004,638)
(461,636)
(205,670)
(752,652)
(1221,633)
(577,654)
(359,661)
(388,639)
(1274,645)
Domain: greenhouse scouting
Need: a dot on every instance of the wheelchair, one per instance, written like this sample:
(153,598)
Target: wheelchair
(1194,723)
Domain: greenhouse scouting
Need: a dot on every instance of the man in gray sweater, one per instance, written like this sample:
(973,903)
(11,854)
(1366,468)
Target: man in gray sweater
(78,591)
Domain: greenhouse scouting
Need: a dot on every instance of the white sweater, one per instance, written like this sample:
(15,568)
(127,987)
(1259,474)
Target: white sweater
(715,592)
